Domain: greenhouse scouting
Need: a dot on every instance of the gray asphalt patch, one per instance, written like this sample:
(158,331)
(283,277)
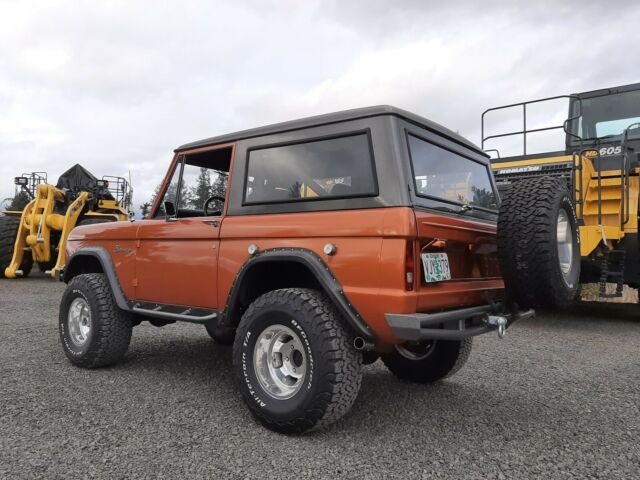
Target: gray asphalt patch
(557,398)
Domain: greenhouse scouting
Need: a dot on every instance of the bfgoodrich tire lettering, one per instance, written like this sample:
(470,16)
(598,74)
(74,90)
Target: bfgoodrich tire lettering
(333,367)
(110,332)
(528,243)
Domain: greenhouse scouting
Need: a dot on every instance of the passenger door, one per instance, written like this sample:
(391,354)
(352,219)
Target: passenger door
(177,257)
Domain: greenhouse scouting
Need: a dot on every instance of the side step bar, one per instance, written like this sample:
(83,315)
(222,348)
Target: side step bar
(174,312)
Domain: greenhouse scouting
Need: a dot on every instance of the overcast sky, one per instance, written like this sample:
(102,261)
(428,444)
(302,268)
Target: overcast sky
(117,85)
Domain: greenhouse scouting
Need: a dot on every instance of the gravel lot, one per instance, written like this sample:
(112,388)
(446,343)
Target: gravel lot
(557,398)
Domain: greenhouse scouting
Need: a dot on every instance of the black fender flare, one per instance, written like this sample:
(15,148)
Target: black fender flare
(108,269)
(323,275)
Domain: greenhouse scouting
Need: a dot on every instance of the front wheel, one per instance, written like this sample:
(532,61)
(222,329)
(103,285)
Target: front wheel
(93,330)
(294,361)
(429,361)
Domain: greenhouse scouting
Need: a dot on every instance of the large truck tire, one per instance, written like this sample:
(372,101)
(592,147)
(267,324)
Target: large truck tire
(539,244)
(8,233)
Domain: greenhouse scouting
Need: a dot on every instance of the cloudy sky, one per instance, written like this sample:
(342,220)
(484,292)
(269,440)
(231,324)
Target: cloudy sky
(117,85)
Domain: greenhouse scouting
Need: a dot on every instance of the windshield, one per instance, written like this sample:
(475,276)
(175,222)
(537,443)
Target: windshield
(444,175)
(605,116)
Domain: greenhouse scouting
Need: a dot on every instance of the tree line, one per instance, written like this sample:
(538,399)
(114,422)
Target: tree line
(192,196)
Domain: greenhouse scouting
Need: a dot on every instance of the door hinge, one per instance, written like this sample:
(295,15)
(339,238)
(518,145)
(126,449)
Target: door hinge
(135,282)
(137,243)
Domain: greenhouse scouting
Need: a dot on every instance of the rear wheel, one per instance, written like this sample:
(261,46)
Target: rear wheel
(8,233)
(294,361)
(428,361)
(539,243)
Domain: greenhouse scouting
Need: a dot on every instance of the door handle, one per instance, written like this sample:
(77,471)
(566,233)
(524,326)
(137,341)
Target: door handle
(213,223)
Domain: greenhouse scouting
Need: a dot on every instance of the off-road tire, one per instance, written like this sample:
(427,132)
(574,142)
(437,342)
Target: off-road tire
(444,359)
(110,332)
(8,233)
(527,244)
(334,372)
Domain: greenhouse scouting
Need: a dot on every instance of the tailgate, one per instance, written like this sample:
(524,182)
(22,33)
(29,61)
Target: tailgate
(470,247)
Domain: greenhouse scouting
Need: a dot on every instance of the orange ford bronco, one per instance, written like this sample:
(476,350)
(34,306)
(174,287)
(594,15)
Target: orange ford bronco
(313,246)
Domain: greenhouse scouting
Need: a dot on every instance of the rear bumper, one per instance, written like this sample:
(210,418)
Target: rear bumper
(453,324)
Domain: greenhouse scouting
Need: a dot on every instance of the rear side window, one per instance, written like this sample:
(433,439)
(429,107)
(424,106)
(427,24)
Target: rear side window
(444,175)
(315,170)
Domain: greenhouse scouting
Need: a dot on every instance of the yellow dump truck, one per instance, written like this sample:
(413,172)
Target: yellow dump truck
(573,214)
(38,233)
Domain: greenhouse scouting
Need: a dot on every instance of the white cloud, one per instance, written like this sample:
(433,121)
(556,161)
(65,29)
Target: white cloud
(117,85)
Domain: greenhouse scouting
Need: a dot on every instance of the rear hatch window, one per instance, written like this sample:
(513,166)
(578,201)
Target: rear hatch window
(448,181)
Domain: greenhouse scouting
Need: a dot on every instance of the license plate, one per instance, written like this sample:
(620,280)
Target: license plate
(436,267)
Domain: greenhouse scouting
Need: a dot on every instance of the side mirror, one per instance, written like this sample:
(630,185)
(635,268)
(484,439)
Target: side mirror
(169,211)
(22,181)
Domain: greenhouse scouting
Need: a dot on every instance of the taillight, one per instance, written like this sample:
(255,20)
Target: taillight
(409,265)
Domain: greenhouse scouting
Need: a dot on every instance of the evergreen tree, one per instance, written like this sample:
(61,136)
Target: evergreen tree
(18,202)
(145,207)
(202,190)
(219,186)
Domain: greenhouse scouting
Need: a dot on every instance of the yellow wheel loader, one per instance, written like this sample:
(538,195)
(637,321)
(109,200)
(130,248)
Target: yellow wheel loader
(38,234)
(570,217)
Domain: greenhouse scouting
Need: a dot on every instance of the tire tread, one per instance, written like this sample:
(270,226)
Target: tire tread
(340,385)
(111,325)
(525,248)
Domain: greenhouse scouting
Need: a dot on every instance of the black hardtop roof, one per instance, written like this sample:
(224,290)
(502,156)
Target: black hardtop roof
(328,118)
(608,91)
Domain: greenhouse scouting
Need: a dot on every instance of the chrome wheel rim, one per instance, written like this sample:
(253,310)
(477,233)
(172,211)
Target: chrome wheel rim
(416,350)
(564,236)
(79,321)
(280,361)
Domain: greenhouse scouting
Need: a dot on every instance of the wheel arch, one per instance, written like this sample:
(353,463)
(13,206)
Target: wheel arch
(95,260)
(287,268)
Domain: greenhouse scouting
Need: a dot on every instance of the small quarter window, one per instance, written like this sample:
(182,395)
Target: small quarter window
(316,170)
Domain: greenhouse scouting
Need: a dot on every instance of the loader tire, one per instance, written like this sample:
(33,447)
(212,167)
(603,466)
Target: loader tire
(8,233)
(539,244)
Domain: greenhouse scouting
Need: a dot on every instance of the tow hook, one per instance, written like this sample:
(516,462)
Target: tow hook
(498,321)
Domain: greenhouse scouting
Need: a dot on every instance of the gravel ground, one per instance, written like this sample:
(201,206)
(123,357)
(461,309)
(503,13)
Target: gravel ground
(557,398)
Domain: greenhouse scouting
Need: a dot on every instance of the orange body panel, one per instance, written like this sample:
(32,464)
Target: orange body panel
(177,261)
(119,239)
(194,261)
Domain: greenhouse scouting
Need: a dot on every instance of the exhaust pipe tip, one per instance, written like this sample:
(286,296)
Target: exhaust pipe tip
(360,344)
